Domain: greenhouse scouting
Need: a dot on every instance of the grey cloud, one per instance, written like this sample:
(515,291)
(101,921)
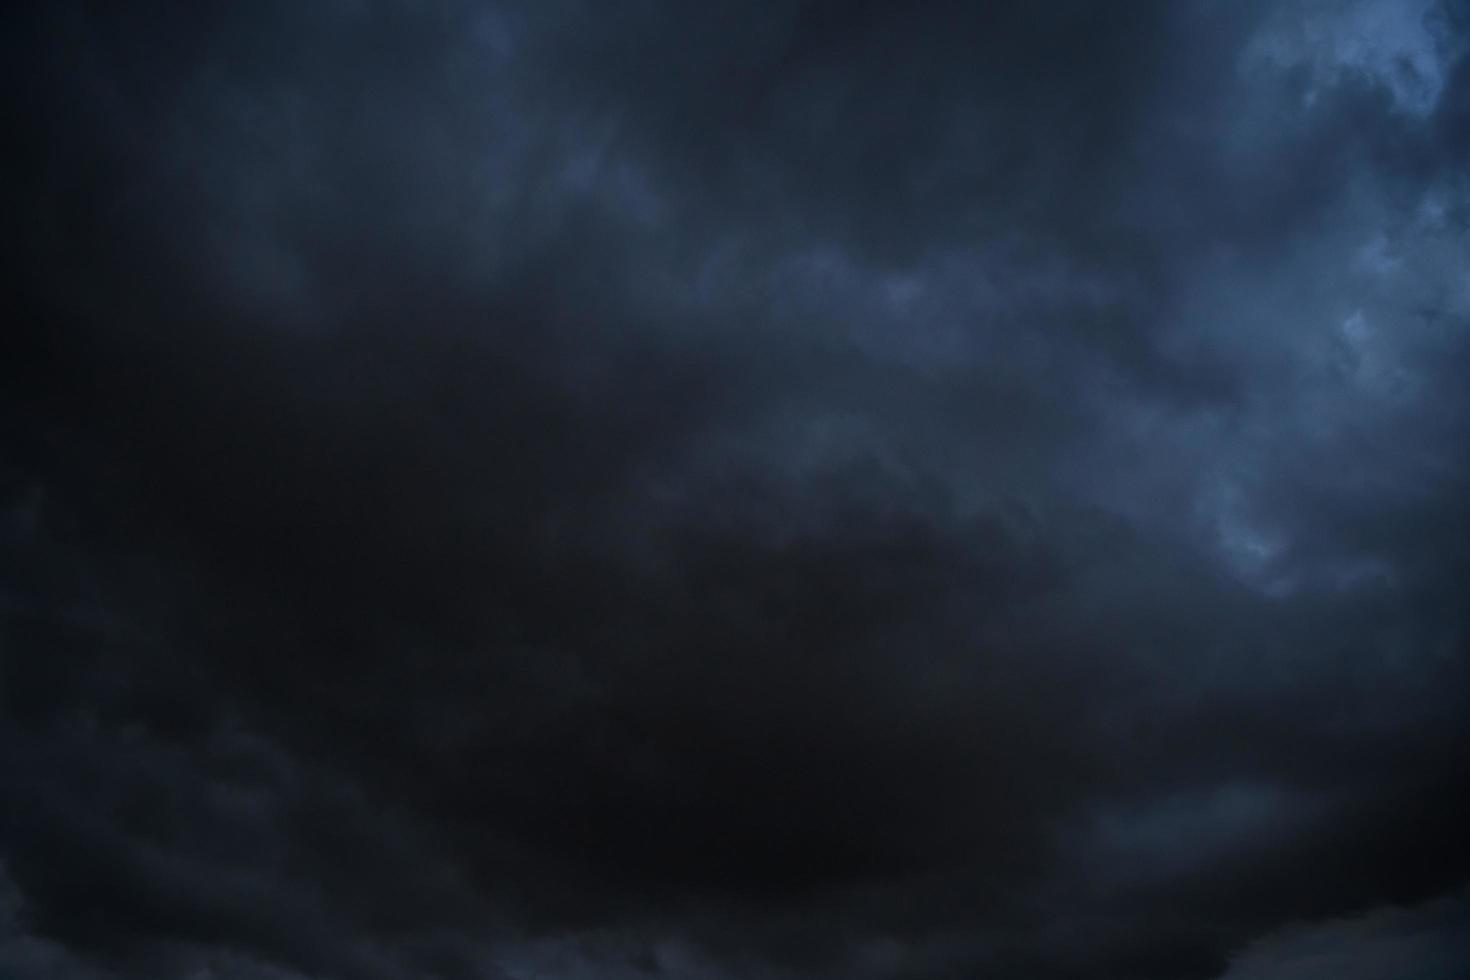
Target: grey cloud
(1379,943)
(807,490)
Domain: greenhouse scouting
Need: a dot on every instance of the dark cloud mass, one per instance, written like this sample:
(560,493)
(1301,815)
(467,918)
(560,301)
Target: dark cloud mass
(790,490)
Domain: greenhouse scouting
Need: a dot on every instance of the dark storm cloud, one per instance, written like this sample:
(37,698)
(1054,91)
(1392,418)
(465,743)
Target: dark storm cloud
(797,490)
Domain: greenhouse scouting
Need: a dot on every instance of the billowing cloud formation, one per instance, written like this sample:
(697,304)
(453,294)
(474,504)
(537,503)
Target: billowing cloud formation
(798,490)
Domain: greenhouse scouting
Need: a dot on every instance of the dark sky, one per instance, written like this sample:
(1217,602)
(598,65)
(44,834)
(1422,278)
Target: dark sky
(797,490)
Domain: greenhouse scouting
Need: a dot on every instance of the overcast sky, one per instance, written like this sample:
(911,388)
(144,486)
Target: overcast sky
(796,490)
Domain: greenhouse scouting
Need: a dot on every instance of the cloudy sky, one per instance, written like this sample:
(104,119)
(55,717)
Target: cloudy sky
(787,490)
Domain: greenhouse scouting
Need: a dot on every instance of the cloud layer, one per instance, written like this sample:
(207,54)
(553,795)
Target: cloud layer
(794,490)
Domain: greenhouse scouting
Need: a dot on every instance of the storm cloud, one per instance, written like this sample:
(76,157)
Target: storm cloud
(787,490)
